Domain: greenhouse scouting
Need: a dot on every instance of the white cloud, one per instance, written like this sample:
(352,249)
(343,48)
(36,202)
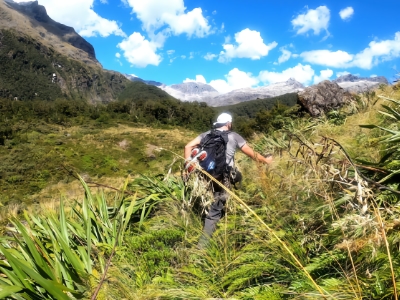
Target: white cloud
(285,56)
(301,73)
(371,56)
(240,79)
(324,75)
(193,23)
(96,25)
(222,29)
(156,14)
(80,15)
(221,86)
(235,79)
(378,52)
(117,55)
(249,45)
(199,78)
(170,52)
(210,56)
(338,74)
(335,59)
(183,56)
(346,13)
(314,20)
(373,76)
(161,19)
(139,51)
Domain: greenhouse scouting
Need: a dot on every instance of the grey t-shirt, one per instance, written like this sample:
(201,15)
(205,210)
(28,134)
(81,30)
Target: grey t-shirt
(234,141)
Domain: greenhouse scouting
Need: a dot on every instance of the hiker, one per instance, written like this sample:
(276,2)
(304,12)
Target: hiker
(233,141)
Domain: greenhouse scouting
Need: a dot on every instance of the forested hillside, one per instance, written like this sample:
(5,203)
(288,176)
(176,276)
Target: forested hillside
(37,138)
(249,109)
(27,68)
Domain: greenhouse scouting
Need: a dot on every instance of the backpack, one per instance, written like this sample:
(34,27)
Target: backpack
(214,145)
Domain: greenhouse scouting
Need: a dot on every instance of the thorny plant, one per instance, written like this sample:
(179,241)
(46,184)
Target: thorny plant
(328,161)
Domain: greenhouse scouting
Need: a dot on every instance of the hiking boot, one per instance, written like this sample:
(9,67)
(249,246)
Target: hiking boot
(202,155)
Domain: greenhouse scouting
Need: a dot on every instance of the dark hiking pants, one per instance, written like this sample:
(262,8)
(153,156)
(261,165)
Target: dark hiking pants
(216,212)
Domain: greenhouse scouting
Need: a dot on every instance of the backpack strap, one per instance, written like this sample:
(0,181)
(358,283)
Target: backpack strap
(224,134)
(209,136)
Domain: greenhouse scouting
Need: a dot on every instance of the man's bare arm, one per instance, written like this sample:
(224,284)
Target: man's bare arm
(189,146)
(246,149)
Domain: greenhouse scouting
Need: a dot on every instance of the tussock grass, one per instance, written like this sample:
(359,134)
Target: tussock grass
(311,226)
(9,212)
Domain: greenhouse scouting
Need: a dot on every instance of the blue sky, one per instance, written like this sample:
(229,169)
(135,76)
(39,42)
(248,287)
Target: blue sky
(235,43)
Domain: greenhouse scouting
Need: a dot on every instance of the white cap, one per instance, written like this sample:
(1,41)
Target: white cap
(223,119)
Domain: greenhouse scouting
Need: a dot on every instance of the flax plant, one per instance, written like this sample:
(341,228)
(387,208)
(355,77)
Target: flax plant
(59,257)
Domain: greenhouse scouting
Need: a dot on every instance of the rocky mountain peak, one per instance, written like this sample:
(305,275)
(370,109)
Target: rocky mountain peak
(196,91)
(44,29)
(347,78)
(193,88)
(33,9)
(354,78)
(355,84)
(191,91)
(294,83)
(21,3)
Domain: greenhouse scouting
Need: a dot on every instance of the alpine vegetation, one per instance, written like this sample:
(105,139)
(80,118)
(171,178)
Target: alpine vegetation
(319,222)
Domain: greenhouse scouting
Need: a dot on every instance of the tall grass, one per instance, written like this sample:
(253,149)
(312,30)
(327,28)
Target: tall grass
(320,223)
(58,257)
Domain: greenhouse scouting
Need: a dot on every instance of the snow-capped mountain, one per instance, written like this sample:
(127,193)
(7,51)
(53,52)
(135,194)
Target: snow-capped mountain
(247,94)
(201,92)
(191,91)
(196,91)
(355,84)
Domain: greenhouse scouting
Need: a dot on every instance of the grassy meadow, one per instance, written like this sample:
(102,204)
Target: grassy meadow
(117,219)
(46,159)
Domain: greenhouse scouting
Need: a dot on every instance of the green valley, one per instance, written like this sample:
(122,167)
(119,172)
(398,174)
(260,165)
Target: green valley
(96,202)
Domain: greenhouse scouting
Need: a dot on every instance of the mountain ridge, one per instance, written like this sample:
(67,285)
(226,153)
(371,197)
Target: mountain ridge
(45,60)
(45,30)
(29,29)
(201,92)
(354,78)
(135,78)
